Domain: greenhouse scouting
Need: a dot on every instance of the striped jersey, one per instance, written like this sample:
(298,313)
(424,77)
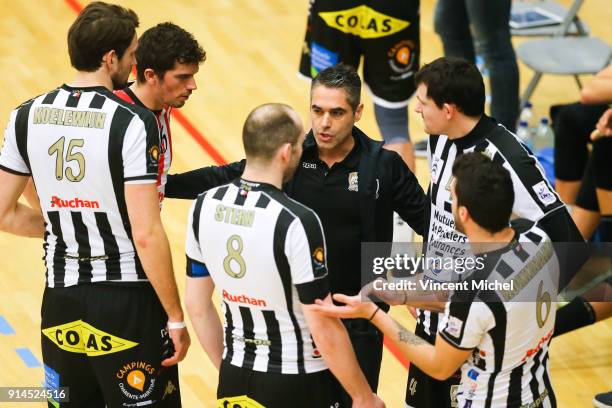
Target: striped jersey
(266,255)
(508,330)
(81,145)
(534,196)
(165,146)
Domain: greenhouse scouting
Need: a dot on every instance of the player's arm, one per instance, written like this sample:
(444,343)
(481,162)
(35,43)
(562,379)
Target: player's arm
(305,251)
(379,290)
(16,218)
(189,184)
(409,200)
(154,252)
(332,340)
(599,90)
(29,193)
(199,290)
(439,361)
(204,317)
(140,166)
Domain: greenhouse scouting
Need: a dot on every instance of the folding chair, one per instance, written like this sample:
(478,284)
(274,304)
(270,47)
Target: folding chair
(563,55)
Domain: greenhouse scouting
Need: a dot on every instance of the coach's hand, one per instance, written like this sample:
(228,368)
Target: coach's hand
(353,307)
(181,342)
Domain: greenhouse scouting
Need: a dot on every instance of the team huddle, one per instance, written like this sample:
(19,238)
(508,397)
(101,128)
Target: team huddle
(277,236)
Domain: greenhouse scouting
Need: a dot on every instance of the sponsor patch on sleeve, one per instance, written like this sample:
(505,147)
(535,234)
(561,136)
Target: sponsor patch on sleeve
(454,326)
(543,193)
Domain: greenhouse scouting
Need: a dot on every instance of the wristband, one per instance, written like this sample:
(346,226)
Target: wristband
(176,325)
(374,314)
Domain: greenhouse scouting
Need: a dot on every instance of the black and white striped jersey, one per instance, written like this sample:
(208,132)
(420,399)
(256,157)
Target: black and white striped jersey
(81,145)
(534,196)
(508,330)
(266,255)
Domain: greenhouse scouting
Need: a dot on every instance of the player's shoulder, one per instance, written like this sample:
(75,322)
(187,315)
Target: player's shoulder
(528,231)
(296,209)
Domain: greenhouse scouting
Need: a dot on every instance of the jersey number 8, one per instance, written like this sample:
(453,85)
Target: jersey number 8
(234,254)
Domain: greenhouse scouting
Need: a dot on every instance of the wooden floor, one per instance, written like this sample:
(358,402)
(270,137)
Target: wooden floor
(253,49)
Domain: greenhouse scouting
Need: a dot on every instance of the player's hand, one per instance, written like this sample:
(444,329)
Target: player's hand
(390,297)
(353,307)
(373,402)
(412,310)
(604,126)
(181,342)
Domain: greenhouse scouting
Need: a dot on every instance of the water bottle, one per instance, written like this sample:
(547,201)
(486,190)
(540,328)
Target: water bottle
(527,113)
(544,135)
(524,133)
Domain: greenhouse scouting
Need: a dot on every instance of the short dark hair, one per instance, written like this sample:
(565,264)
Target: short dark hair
(100,28)
(160,47)
(341,76)
(267,128)
(454,81)
(485,188)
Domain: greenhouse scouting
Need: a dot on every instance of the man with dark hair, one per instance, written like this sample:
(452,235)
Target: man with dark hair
(168,58)
(450,95)
(94,161)
(497,336)
(266,255)
(354,186)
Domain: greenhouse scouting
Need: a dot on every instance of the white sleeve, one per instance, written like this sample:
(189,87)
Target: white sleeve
(141,150)
(305,251)
(196,265)
(465,323)
(10,158)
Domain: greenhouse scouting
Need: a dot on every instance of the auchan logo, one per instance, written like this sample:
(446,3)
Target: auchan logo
(74,203)
(363,22)
(244,299)
(81,337)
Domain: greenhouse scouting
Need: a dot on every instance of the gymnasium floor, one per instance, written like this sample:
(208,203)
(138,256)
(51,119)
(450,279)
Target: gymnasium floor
(253,49)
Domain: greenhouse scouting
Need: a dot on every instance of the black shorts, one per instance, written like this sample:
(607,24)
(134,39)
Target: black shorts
(422,391)
(105,342)
(385,32)
(243,388)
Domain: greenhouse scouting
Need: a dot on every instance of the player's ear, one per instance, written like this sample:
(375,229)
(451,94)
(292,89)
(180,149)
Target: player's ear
(449,110)
(285,152)
(150,76)
(110,59)
(463,212)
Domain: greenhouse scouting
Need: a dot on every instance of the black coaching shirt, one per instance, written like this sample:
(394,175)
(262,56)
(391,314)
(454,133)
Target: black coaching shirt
(333,194)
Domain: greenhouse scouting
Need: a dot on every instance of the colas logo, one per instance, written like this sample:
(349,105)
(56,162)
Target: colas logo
(81,337)
(363,22)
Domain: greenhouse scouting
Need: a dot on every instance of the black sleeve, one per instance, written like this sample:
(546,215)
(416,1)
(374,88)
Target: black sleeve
(188,185)
(409,200)
(569,245)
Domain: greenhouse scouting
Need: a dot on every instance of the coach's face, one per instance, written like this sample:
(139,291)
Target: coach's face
(121,70)
(177,84)
(435,120)
(332,117)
